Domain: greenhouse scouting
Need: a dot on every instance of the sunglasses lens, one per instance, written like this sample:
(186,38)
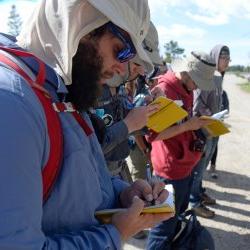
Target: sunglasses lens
(125,55)
(128,52)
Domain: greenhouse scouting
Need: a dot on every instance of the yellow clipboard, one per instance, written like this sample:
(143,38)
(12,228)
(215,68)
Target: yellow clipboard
(216,127)
(169,114)
(104,216)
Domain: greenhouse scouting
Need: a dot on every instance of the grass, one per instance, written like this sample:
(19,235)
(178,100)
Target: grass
(239,74)
(245,86)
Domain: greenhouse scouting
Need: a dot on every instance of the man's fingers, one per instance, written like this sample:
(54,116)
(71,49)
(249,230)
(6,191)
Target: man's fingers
(145,188)
(152,109)
(148,99)
(163,195)
(156,92)
(136,208)
(158,187)
(205,121)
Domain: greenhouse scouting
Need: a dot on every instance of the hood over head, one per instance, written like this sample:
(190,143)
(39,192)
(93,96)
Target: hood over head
(55,28)
(216,52)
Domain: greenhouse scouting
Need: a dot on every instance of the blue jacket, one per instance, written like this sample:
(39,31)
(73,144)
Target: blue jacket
(67,220)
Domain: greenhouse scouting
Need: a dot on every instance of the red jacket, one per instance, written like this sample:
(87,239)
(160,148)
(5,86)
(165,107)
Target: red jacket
(172,158)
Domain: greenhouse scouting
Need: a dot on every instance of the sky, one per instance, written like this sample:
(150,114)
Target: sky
(194,24)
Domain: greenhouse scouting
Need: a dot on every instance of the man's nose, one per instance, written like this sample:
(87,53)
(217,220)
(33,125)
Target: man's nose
(120,68)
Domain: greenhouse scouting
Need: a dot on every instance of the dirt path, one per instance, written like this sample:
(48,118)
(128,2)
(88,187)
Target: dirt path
(231,225)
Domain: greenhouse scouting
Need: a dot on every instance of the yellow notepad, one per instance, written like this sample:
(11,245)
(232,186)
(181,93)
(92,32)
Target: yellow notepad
(169,114)
(166,207)
(216,127)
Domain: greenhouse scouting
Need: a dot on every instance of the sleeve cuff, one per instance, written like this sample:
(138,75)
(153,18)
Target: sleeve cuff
(115,236)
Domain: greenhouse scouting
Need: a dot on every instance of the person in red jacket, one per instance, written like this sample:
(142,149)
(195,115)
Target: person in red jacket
(176,150)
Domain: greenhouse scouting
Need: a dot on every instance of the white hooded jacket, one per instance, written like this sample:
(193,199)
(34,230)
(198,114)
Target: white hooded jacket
(54,30)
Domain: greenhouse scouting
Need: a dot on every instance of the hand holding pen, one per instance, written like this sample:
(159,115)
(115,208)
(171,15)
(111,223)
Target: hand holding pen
(155,184)
(145,191)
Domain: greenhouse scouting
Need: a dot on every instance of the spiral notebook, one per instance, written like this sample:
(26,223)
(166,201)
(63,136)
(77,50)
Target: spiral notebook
(167,206)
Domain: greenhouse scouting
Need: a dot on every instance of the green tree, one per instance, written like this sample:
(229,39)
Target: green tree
(15,21)
(237,68)
(172,50)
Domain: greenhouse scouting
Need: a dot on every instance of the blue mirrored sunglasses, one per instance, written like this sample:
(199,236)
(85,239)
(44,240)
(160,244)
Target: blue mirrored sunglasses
(129,51)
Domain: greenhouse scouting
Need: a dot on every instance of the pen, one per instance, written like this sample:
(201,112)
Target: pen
(148,173)
(149,179)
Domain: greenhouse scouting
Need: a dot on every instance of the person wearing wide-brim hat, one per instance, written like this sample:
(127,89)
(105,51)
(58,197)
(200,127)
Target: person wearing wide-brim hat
(175,151)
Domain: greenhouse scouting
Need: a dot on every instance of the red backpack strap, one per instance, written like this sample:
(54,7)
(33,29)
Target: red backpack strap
(52,168)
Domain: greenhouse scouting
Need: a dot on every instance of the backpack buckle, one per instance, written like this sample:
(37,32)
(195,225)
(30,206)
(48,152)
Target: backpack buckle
(63,107)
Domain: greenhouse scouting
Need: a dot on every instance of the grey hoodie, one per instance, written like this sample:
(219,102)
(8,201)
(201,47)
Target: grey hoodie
(210,102)
(215,53)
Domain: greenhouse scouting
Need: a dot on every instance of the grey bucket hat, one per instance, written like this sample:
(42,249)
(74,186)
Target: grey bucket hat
(200,68)
(151,46)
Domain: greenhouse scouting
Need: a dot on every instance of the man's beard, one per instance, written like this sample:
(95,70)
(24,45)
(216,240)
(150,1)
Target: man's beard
(86,75)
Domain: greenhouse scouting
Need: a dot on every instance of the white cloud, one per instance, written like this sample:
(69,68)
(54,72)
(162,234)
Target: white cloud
(241,42)
(177,31)
(191,38)
(162,6)
(186,36)
(213,19)
(211,12)
(217,12)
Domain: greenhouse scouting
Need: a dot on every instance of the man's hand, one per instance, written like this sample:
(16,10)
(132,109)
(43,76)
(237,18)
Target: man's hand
(147,192)
(157,92)
(137,118)
(132,221)
(195,123)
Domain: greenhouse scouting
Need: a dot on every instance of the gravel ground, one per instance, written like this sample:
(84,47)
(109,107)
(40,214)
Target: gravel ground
(231,225)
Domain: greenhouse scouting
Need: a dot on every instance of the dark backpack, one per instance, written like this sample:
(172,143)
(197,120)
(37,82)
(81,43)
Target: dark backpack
(192,235)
